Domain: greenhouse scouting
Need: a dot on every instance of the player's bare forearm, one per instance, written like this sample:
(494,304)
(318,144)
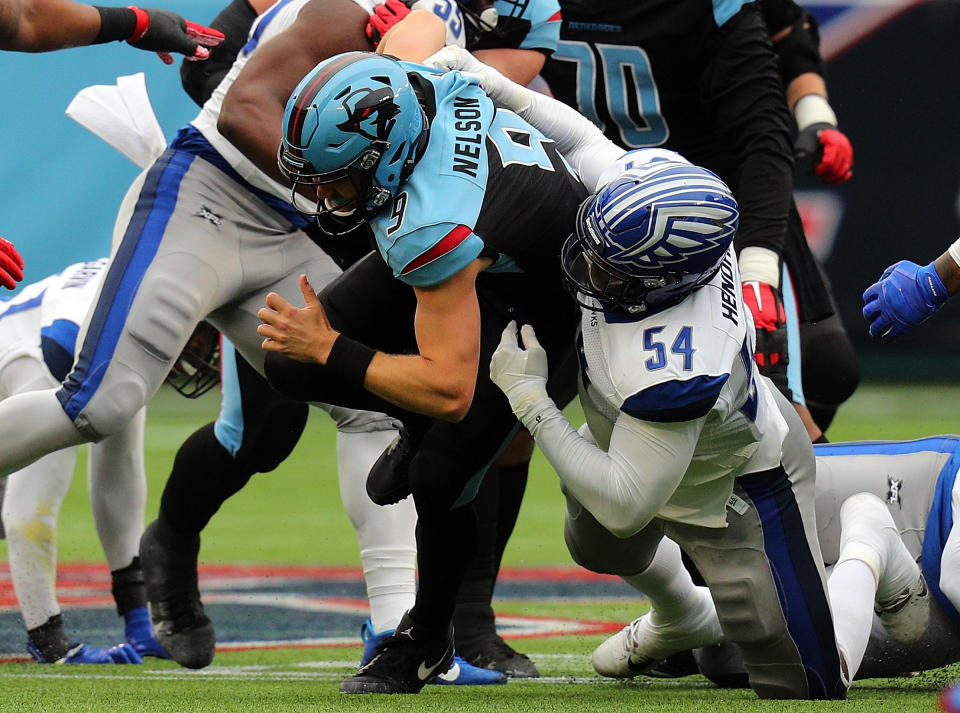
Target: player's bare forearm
(949,272)
(252,112)
(416,37)
(44,25)
(521,66)
(440,379)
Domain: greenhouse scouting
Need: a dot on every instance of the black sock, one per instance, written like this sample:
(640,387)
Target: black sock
(128,589)
(440,573)
(50,639)
(204,475)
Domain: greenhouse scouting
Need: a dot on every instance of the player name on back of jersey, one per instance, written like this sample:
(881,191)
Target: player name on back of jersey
(728,289)
(466,148)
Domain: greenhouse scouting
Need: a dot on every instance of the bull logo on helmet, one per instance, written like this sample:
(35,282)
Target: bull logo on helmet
(370,113)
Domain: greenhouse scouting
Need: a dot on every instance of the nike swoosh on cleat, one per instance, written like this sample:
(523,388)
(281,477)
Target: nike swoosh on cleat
(424,671)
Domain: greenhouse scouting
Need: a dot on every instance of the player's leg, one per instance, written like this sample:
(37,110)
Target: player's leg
(117,482)
(31,506)
(255,431)
(681,615)
(766,576)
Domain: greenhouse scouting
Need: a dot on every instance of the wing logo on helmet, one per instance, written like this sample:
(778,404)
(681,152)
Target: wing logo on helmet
(370,108)
(674,236)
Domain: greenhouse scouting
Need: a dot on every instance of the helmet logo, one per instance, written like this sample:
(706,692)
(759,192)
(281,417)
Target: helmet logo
(370,112)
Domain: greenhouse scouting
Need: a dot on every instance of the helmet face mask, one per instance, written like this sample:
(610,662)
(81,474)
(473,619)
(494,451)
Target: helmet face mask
(353,117)
(649,238)
(197,368)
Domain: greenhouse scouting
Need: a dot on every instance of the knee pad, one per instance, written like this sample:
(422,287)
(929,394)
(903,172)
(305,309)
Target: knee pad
(113,405)
(269,440)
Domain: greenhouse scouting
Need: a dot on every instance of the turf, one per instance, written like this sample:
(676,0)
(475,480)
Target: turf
(293,516)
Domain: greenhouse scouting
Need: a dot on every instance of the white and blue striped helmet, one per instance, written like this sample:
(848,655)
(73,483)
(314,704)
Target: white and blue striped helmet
(650,237)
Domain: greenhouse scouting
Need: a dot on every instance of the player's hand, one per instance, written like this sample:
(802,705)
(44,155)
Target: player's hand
(825,151)
(770,321)
(163,32)
(384,17)
(521,373)
(11,265)
(121,653)
(302,334)
(497,87)
(905,296)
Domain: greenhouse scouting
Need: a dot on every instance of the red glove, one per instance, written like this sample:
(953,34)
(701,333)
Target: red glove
(11,265)
(163,32)
(384,17)
(770,320)
(827,150)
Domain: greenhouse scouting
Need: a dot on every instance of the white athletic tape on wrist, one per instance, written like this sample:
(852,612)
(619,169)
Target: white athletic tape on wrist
(759,265)
(813,109)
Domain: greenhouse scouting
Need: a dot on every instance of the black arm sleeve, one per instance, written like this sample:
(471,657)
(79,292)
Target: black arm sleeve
(798,52)
(742,90)
(199,79)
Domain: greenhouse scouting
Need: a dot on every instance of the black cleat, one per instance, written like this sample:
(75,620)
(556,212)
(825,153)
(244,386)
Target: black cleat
(676,666)
(405,661)
(387,481)
(491,651)
(179,622)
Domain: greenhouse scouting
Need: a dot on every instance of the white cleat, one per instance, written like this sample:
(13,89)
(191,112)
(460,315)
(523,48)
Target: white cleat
(645,642)
(906,615)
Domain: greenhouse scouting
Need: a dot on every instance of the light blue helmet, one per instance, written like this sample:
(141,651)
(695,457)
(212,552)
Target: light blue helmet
(650,237)
(354,116)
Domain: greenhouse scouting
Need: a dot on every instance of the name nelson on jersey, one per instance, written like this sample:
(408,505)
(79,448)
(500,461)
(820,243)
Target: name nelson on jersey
(468,139)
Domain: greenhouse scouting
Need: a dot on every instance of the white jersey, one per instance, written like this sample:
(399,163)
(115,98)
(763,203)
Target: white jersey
(51,309)
(271,23)
(690,360)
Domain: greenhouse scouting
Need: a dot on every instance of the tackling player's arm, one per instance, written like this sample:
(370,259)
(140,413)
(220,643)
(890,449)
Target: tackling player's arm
(438,381)
(623,487)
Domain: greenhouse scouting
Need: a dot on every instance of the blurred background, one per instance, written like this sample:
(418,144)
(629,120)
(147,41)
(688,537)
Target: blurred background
(892,70)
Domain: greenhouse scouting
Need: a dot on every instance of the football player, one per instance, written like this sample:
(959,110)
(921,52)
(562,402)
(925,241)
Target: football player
(702,79)
(468,219)
(38,330)
(257,427)
(683,437)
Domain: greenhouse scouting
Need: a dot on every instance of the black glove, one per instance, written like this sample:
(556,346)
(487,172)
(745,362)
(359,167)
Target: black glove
(162,31)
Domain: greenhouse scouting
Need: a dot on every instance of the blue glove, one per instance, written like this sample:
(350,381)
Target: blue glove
(81,653)
(905,295)
(139,634)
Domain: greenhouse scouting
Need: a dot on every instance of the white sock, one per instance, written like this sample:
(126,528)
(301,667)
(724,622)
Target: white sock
(386,534)
(851,588)
(31,506)
(117,483)
(665,582)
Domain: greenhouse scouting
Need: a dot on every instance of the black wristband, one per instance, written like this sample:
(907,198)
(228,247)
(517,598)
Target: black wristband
(348,361)
(116,23)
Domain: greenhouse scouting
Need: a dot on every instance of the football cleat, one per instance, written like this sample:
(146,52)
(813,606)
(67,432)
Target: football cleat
(387,481)
(404,661)
(460,673)
(906,615)
(181,626)
(643,643)
(139,634)
(81,653)
(490,651)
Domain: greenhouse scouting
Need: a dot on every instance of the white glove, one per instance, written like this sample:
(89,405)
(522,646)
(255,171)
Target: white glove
(521,373)
(497,87)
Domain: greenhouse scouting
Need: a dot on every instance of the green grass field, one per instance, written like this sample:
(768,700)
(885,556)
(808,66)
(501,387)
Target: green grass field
(293,516)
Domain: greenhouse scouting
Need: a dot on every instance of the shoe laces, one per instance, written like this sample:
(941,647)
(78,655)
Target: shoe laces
(631,635)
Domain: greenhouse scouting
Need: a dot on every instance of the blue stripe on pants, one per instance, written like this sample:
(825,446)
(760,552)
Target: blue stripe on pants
(157,202)
(802,596)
